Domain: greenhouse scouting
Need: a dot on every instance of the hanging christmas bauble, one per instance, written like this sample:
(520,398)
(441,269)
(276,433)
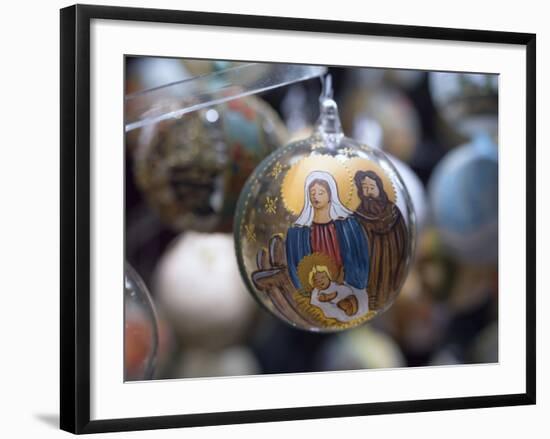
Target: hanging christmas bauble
(235,360)
(383,115)
(141,335)
(464,200)
(198,286)
(364,348)
(324,230)
(192,169)
(468,102)
(145,73)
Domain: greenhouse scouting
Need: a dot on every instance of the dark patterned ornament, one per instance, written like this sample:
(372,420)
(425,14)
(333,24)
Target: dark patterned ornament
(192,169)
(468,102)
(325,229)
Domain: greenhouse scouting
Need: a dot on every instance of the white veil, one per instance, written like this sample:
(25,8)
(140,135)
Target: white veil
(337,209)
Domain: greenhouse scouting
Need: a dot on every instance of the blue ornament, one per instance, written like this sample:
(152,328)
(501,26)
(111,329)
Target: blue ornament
(464,200)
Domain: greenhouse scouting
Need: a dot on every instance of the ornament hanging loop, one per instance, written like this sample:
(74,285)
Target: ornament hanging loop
(328,125)
(326,88)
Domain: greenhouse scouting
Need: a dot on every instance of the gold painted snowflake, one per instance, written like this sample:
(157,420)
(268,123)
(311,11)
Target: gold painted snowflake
(277,169)
(250,232)
(347,151)
(271,205)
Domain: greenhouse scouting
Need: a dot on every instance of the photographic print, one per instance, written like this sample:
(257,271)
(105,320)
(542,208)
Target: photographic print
(358,207)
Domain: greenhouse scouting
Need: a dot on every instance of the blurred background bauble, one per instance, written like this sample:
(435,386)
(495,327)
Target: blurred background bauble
(235,360)
(141,332)
(385,117)
(199,289)
(360,348)
(464,199)
(191,169)
(467,102)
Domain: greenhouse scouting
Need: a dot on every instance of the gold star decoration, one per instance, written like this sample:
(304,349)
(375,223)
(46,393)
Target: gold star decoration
(347,151)
(250,232)
(271,205)
(277,169)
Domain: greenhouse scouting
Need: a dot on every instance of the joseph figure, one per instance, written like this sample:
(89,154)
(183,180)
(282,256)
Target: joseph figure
(387,238)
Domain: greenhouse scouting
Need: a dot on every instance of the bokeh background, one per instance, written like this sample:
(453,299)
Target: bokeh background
(188,314)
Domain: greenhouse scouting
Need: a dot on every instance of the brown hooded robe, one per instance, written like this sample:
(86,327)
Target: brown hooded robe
(387,236)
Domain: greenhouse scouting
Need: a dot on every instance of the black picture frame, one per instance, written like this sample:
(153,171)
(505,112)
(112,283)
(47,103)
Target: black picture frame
(75,217)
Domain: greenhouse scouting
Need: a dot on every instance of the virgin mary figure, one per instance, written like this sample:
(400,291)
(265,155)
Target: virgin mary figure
(326,226)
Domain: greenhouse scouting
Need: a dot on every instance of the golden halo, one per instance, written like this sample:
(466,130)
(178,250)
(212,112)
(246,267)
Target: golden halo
(292,189)
(360,164)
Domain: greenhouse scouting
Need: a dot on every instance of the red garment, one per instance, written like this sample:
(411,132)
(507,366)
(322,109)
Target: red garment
(324,240)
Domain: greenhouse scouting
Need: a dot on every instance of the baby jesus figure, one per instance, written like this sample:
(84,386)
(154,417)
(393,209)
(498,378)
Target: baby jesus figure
(338,301)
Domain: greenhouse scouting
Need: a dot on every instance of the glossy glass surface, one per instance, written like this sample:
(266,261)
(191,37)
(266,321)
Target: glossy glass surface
(325,230)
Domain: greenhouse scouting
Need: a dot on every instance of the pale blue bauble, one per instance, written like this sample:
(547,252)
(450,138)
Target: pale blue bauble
(463,193)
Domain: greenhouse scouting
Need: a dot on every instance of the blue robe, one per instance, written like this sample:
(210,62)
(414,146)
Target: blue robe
(353,245)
